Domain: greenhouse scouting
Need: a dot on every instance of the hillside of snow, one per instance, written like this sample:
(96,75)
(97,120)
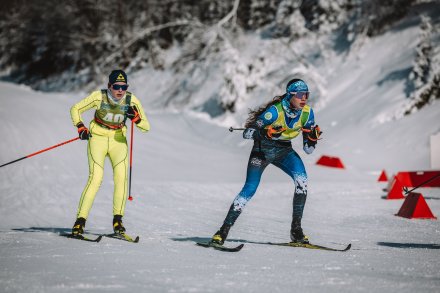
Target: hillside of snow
(359,94)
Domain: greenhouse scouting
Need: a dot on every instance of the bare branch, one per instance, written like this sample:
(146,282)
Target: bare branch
(146,32)
(231,14)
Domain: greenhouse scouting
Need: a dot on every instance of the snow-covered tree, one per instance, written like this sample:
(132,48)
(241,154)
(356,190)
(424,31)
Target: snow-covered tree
(326,15)
(376,15)
(426,95)
(254,14)
(288,22)
(421,70)
(423,84)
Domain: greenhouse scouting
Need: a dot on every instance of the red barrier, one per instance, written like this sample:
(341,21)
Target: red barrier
(415,178)
(415,206)
(390,183)
(383,177)
(396,190)
(333,162)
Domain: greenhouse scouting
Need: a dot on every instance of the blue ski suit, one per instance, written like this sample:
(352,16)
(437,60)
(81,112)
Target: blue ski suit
(277,150)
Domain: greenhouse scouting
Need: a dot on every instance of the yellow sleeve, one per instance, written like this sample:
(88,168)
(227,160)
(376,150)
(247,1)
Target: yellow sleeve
(92,101)
(143,125)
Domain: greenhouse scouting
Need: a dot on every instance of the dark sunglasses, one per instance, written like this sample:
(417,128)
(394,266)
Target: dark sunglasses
(300,95)
(118,87)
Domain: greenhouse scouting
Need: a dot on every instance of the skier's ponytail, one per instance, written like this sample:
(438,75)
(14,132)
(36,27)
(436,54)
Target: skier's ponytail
(253,114)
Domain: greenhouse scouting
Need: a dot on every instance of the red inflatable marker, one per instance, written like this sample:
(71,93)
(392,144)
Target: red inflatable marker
(415,206)
(332,162)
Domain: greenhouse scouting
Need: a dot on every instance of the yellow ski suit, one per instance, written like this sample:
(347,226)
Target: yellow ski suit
(108,138)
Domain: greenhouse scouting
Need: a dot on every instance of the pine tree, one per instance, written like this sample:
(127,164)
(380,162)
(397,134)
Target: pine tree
(422,63)
(423,84)
(376,15)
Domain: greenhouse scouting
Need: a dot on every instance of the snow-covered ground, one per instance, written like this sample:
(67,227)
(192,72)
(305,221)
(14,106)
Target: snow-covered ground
(186,173)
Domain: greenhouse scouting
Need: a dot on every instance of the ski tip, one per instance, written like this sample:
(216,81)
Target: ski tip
(99,238)
(136,240)
(348,247)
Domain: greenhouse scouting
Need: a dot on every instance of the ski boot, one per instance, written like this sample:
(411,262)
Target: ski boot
(221,235)
(78,227)
(118,228)
(297,234)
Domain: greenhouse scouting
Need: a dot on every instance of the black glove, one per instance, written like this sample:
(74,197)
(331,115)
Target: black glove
(83,132)
(311,135)
(133,114)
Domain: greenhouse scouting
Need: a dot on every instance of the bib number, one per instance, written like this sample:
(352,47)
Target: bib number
(114,118)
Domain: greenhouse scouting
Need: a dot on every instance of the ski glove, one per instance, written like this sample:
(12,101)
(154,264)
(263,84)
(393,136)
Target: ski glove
(274,131)
(83,132)
(311,135)
(133,114)
(252,133)
(258,134)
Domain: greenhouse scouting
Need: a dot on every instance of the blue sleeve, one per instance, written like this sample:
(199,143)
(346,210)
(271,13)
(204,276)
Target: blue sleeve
(307,147)
(267,117)
(264,119)
(311,121)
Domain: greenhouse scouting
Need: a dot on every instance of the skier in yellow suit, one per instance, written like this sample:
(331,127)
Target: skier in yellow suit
(107,137)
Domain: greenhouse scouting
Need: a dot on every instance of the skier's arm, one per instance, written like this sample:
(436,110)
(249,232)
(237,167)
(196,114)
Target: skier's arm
(257,130)
(92,101)
(143,123)
(311,134)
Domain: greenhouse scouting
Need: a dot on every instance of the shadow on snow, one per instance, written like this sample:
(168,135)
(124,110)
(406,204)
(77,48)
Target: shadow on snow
(409,245)
(55,230)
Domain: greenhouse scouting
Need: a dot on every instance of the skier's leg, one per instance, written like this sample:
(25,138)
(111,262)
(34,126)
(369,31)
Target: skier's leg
(118,153)
(255,168)
(294,167)
(96,151)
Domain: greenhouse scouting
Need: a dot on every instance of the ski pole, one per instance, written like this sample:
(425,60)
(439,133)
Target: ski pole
(232,129)
(42,151)
(420,185)
(131,161)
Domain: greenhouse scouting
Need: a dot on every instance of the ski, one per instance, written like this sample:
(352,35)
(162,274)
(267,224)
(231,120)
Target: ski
(220,247)
(82,237)
(308,245)
(123,236)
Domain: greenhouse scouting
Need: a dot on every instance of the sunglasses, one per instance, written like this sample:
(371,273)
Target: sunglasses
(300,95)
(118,87)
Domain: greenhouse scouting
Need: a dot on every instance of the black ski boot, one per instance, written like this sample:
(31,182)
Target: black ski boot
(296,233)
(221,235)
(118,228)
(78,227)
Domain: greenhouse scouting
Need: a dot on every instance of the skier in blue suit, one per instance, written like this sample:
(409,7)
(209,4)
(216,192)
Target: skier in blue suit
(272,127)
